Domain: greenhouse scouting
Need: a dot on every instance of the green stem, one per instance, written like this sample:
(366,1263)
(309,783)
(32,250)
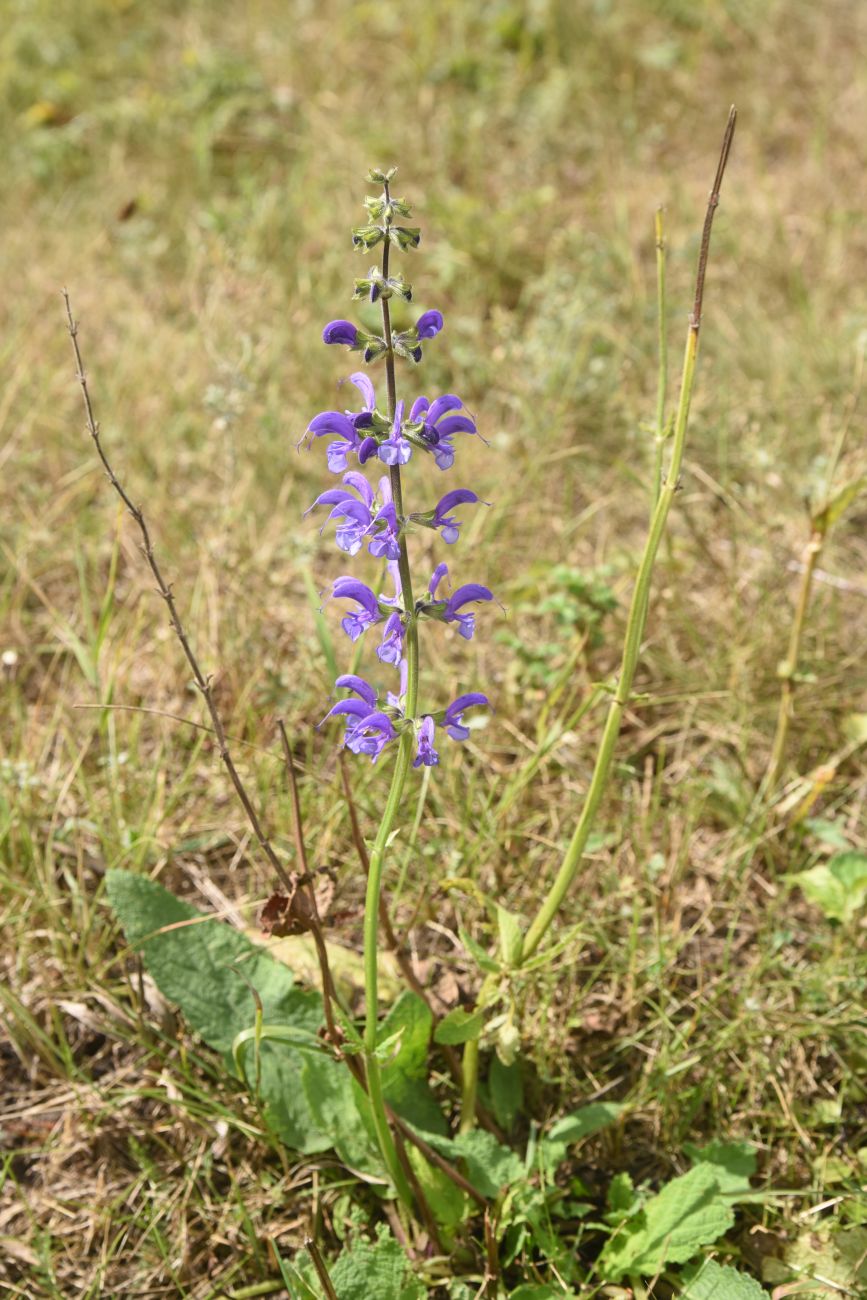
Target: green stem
(662,383)
(470,1085)
(632,645)
(640,595)
(392,806)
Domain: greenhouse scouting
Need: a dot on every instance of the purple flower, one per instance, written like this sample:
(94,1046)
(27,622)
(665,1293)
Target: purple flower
(438,427)
(472,591)
(390,649)
(355,511)
(453,716)
(429,324)
(425,752)
(443,520)
(359,519)
(340,331)
(368,612)
(370,735)
(395,450)
(346,426)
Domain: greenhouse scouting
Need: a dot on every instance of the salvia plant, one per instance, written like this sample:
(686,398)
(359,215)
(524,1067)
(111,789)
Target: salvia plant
(474,1215)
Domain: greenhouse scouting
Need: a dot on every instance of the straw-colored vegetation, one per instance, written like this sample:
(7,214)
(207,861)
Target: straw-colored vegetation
(190,173)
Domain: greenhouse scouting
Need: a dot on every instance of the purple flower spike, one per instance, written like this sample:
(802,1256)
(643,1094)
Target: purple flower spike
(340,331)
(425,753)
(368,612)
(453,719)
(443,520)
(472,591)
(429,324)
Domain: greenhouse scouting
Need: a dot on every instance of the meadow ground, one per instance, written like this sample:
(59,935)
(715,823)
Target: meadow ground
(190,172)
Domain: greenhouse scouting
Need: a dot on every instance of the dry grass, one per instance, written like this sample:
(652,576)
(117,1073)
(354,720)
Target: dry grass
(190,175)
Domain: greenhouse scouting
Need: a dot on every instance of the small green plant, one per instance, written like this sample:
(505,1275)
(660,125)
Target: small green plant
(476,1213)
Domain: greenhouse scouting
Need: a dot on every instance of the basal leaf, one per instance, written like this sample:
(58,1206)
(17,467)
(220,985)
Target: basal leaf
(378,1269)
(191,958)
(713,1281)
(685,1215)
(734,1162)
(404,1076)
(490,1165)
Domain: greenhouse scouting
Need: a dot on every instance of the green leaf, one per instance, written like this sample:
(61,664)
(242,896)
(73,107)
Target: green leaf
(490,1165)
(838,887)
(734,1163)
(367,1269)
(448,1203)
(482,959)
(404,1076)
(511,937)
(621,1198)
(586,1121)
(192,966)
(715,1281)
(687,1214)
(506,1089)
(459,1026)
(341,1110)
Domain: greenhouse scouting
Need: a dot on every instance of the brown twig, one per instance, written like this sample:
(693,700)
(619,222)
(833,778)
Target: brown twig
(321,1271)
(202,681)
(713,204)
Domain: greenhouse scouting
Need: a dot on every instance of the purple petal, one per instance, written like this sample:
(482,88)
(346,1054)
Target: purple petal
(420,406)
(463,595)
(439,406)
(457,497)
(353,708)
(332,422)
(351,589)
(429,324)
(455,424)
(350,682)
(340,331)
(360,484)
(366,449)
(365,387)
(440,572)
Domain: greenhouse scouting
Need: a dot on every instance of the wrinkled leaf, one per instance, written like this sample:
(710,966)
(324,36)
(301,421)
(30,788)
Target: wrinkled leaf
(191,957)
(713,1281)
(672,1227)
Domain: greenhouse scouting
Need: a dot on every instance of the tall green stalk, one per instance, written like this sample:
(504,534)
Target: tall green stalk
(640,595)
(395,795)
(662,382)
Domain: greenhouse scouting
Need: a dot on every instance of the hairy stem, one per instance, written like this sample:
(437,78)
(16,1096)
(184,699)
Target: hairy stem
(395,795)
(640,595)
